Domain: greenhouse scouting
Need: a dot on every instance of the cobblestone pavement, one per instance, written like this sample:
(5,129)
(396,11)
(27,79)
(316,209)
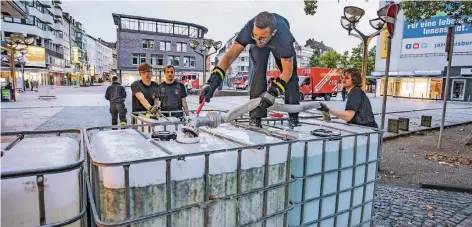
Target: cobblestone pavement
(401,206)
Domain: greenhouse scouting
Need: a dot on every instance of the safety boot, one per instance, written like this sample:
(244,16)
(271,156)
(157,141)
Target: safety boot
(256,122)
(293,121)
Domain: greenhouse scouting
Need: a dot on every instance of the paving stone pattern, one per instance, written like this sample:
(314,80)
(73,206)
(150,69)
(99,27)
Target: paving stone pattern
(401,206)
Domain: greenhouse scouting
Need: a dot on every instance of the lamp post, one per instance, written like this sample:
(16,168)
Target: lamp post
(14,44)
(158,68)
(204,51)
(349,21)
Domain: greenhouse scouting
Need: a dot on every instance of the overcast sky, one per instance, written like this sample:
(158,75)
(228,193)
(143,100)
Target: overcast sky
(225,17)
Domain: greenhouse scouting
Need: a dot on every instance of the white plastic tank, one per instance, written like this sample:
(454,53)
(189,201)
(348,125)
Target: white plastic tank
(20,203)
(339,162)
(148,181)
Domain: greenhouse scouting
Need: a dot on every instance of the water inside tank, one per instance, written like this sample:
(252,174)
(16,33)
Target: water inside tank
(334,159)
(61,191)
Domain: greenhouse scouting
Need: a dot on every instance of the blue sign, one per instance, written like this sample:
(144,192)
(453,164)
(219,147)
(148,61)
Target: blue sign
(435,26)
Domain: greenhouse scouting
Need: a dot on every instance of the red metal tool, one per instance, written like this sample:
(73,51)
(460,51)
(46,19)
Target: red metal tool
(200,107)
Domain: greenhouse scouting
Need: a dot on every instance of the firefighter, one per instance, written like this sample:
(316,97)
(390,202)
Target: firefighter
(270,33)
(144,90)
(172,94)
(116,94)
(358,109)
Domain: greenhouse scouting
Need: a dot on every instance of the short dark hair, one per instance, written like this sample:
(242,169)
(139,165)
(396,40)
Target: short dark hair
(114,78)
(143,67)
(264,20)
(355,75)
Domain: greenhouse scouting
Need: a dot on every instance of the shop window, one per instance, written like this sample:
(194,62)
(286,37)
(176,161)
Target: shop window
(458,89)
(435,88)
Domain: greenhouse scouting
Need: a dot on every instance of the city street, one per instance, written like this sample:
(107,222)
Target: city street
(396,204)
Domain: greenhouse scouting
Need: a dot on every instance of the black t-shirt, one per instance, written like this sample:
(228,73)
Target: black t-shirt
(149,92)
(358,101)
(171,95)
(281,44)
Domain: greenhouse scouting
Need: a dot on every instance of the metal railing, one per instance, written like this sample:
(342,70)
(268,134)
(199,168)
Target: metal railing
(93,183)
(40,173)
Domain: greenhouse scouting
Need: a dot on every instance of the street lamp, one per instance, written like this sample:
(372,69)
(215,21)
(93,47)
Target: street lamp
(204,50)
(14,44)
(349,21)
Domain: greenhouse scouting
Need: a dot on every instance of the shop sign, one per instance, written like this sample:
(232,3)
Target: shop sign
(466,71)
(429,36)
(36,56)
(56,69)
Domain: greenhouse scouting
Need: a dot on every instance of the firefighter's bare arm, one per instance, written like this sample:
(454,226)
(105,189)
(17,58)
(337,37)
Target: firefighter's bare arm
(345,115)
(185,106)
(287,68)
(233,53)
(143,100)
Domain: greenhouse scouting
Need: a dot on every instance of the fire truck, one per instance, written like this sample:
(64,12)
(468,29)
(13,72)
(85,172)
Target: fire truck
(241,81)
(314,82)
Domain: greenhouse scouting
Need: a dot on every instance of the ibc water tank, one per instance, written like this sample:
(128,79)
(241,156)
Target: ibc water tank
(324,164)
(20,203)
(187,175)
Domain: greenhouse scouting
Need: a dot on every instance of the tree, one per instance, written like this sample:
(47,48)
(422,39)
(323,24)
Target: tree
(330,59)
(415,11)
(357,58)
(345,60)
(315,59)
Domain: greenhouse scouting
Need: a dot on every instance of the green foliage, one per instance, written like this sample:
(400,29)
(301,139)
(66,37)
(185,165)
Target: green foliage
(345,60)
(315,59)
(415,11)
(310,7)
(330,59)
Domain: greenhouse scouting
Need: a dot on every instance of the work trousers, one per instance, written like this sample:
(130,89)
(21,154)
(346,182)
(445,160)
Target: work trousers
(259,57)
(118,109)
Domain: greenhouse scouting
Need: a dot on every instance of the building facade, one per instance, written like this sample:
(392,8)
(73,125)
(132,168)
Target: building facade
(99,58)
(44,60)
(418,60)
(158,42)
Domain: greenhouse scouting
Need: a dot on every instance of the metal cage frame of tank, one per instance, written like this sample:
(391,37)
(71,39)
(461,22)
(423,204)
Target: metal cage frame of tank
(93,186)
(40,172)
(323,172)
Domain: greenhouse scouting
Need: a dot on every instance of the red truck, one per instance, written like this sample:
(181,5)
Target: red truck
(241,82)
(314,82)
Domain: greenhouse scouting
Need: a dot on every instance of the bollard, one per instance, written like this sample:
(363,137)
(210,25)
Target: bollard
(392,125)
(426,121)
(421,96)
(468,102)
(404,123)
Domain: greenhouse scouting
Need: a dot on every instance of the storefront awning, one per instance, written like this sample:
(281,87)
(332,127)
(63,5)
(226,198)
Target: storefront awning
(418,73)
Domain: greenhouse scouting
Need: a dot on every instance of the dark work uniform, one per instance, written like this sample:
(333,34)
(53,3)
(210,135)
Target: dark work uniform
(171,96)
(357,101)
(149,92)
(281,46)
(116,94)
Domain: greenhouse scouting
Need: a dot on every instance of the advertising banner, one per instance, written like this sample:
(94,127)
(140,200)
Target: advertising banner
(36,56)
(383,50)
(429,36)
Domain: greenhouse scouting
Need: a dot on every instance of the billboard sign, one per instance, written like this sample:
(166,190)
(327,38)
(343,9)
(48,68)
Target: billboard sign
(36,56)
(429,36)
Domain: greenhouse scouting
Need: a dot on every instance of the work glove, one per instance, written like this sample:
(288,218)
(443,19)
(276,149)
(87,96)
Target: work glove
(216,77)
(323,108)
(277,87)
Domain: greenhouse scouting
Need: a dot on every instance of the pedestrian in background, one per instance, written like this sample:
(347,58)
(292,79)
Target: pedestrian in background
(116,94)
(358,109)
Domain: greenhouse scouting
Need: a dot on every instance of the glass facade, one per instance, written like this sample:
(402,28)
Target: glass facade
(414,87)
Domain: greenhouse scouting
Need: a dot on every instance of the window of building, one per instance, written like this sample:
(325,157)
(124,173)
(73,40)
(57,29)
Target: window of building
(165,27)
(148,44)
(189,62)
(243,59)
(165,45)
(139,58)
(147,26)
(131,24)
(180,29)
(193,32)
(173,60)
(181,47)
(157,59)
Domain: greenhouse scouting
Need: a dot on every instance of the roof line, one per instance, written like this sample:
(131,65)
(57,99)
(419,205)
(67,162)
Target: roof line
(117,15)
